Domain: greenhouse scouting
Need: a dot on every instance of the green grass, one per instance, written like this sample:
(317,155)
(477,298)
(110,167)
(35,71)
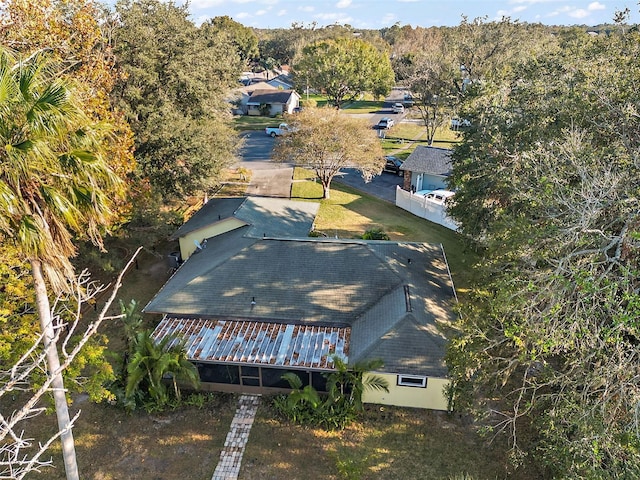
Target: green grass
(386,443)
(363,106)
(250,122)
(321,100)
(349,213)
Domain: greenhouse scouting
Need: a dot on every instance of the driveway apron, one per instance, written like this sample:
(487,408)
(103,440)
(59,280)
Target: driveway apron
(271,183)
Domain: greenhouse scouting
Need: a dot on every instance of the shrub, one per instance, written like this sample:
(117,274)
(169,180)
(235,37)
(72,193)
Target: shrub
(375,233)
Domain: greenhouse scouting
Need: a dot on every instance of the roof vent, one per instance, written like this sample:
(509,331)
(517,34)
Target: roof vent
(407,299)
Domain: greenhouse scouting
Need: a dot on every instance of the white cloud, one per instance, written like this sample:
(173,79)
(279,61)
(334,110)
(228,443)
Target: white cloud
(307,8)
(388,19)
(242,15)
(407,1)
(343,3)
(219,3)
(579,13)
(532,2)
(281,13)
(264,11)
(340,18)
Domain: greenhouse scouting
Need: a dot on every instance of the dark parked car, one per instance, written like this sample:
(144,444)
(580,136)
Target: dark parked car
(393,165)
(385,123)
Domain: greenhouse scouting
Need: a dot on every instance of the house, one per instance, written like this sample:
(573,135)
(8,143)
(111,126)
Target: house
(283,81)
(272,102)
(427,168)
(253,303)
(241,95)
(265,217)
(424,192)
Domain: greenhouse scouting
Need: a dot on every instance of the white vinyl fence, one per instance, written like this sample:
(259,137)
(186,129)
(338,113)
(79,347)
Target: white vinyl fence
(424,208)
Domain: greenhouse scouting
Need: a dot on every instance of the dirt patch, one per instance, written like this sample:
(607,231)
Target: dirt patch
(112,445)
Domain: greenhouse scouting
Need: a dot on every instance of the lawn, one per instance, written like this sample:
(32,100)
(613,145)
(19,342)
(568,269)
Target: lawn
(349,213)
(251,122)
(389,442)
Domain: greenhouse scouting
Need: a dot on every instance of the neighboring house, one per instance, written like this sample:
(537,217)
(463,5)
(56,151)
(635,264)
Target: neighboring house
(272,102)
(241,96)
(427,168)
(284,82)
(263,299)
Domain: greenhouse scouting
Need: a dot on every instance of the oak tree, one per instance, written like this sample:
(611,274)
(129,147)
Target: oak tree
(344,68)
(326,141)
(547,184)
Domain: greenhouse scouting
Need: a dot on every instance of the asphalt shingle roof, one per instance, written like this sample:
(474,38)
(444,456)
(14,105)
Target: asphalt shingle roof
(268,217)
(269,96)
(431,160)
(392,295)
(215,210)
(277,217)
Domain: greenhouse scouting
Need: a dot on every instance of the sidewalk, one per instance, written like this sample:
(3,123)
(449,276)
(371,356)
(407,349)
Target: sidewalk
(231,456)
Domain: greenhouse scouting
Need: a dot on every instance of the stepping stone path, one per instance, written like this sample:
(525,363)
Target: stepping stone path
(231,456)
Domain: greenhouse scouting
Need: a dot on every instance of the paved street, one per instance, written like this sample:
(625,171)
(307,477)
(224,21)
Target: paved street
(274,179)
(382,186)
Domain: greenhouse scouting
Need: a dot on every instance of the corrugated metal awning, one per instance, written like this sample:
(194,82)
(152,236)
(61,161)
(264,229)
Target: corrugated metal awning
(254,342)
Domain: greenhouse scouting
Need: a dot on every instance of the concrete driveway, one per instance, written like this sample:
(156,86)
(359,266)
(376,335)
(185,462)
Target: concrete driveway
(268,179)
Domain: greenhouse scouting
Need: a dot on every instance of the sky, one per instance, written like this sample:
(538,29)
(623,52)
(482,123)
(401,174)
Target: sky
(377,14)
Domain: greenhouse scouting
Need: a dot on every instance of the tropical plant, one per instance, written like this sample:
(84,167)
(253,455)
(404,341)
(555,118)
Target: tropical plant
(343,401)
(348,382)
(55,182)
(150,365)
(29,384)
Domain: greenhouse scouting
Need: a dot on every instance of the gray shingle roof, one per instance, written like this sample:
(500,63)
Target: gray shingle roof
(277,217)
(270,217)
(270,96)
(392,305)
(431,160)
(213,211)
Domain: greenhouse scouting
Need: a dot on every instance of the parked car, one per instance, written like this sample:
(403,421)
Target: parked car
(277,131)
(385,123)
(398,108)
(408,100)
(392,165)
(441,197)
(459,123)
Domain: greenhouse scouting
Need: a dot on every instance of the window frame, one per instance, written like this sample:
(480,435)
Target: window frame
(400,381)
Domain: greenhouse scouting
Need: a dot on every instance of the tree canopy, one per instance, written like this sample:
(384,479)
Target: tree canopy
(547,183)
(173,88)
(326,141)
(244,38)
(55,183)
(344,68)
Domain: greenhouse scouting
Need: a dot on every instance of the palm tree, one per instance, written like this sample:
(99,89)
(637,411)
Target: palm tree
(54,183)
(348,383)
(152,362)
